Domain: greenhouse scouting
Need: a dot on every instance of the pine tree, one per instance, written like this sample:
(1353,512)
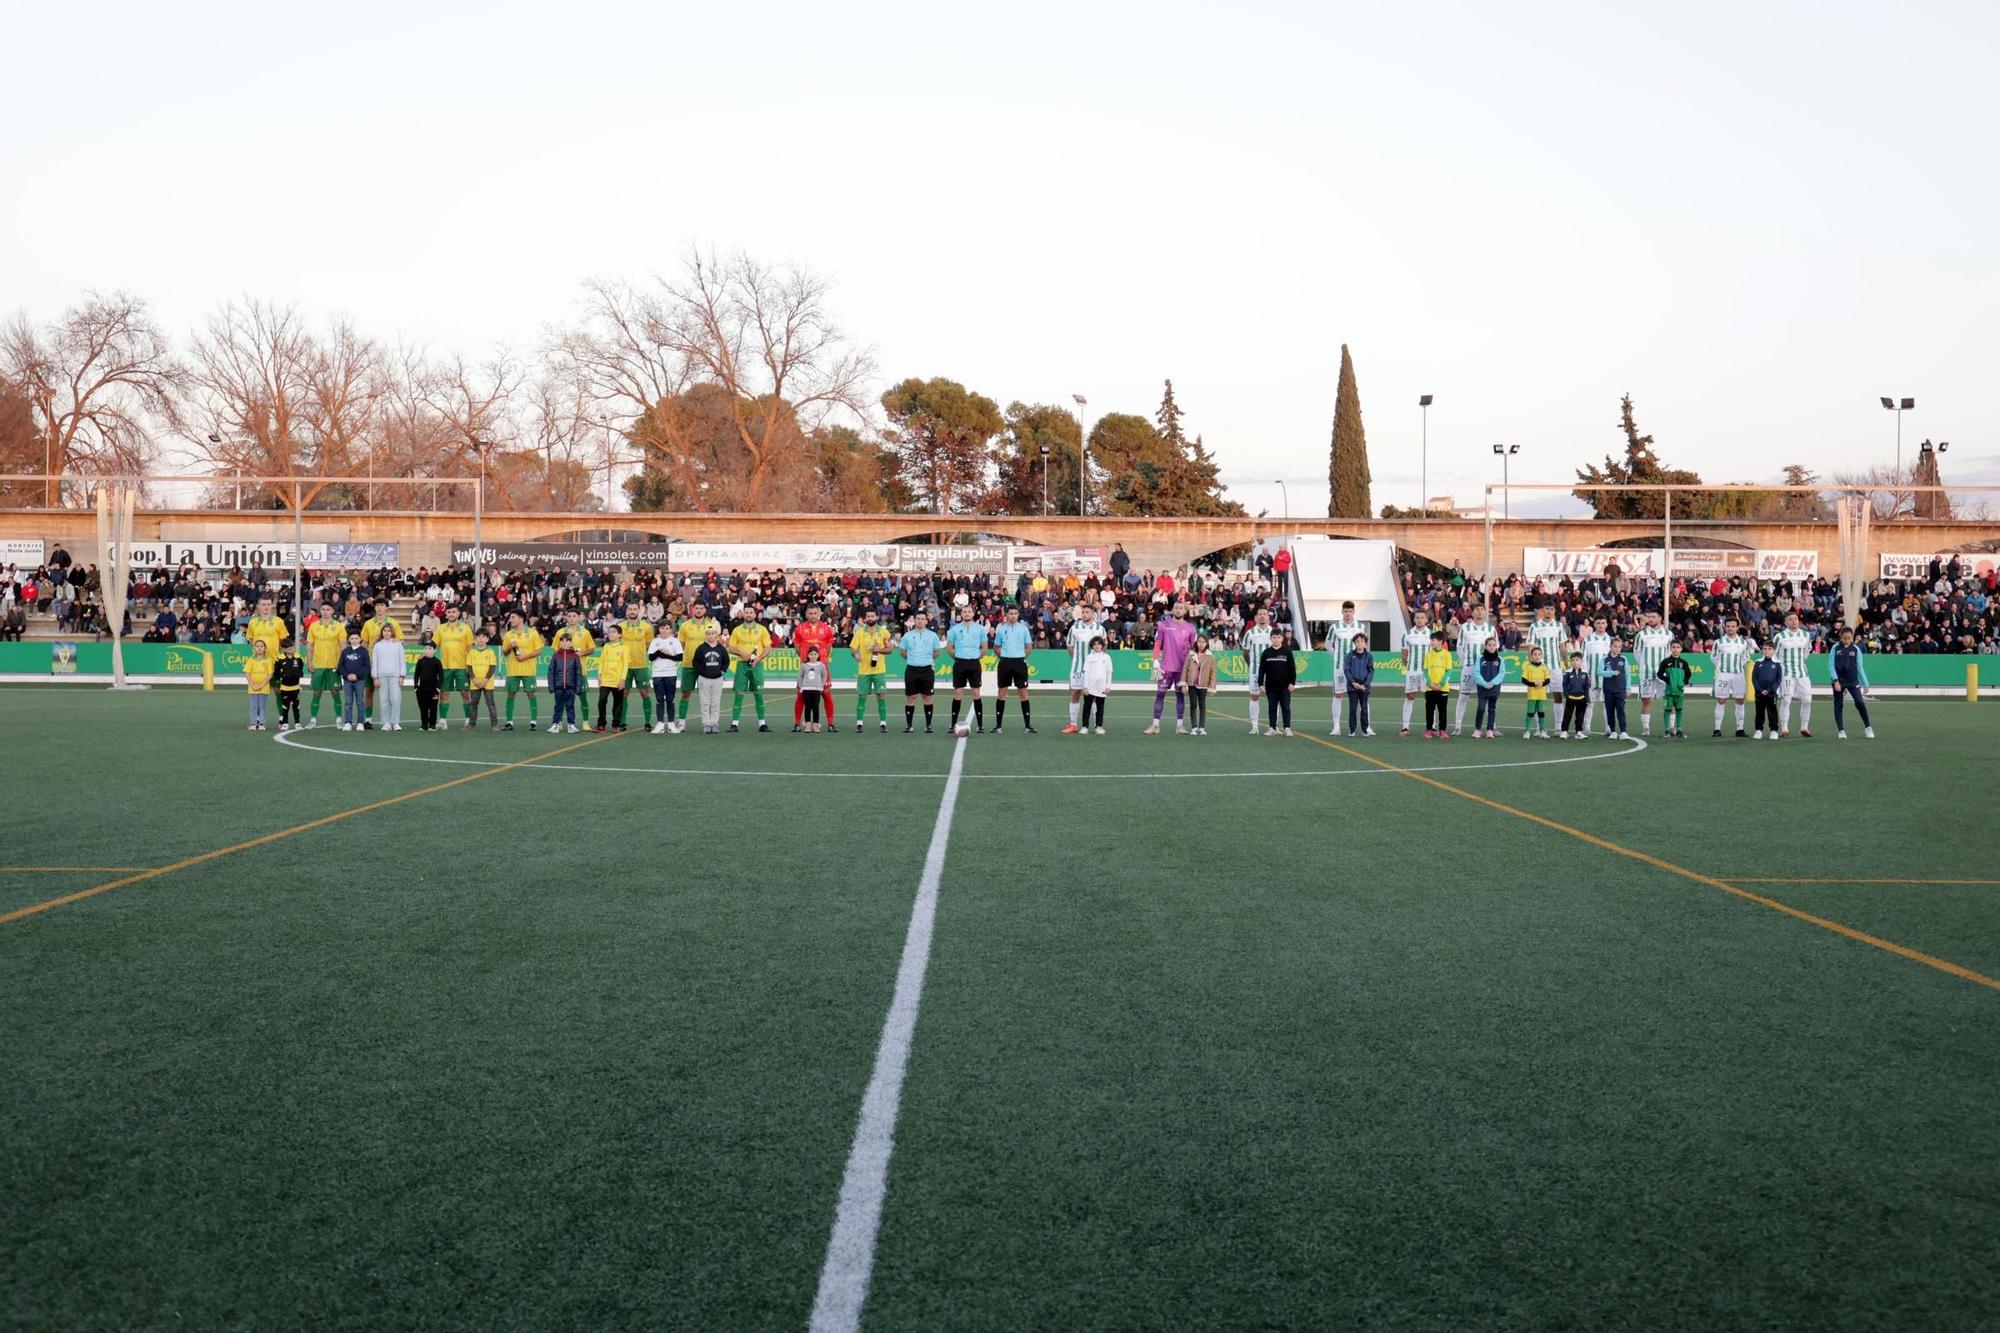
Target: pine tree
(1347,471)
(1641,466)
(1168,419)
(1929,504)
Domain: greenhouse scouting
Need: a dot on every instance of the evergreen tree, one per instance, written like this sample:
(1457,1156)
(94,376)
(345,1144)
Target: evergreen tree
(1347,472)
(1929,504)
(1641,467)
(1168,419)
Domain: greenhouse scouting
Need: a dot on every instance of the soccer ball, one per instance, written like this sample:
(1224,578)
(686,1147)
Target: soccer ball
(961,730)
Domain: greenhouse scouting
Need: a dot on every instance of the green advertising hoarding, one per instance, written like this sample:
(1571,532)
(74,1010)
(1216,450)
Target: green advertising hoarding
(168,661)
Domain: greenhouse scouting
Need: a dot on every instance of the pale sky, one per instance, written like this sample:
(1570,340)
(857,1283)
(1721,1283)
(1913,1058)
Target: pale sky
(1757,218)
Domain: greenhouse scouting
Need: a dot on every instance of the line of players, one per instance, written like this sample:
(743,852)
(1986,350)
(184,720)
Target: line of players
(659,664)
(1774,673)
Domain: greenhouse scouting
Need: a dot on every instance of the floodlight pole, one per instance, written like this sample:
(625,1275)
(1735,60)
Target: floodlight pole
(298,569)
(478,536)
(1489,534)
(1667,564)
(1082,452)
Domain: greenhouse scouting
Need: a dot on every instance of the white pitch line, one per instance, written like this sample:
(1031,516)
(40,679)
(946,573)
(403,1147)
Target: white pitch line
(1634,747)
(850,1252)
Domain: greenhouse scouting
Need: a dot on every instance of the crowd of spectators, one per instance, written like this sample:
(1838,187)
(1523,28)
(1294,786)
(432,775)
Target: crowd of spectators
(1130,601)
(1954,609)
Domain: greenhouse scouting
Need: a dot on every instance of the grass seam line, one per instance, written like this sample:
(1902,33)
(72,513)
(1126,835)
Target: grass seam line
(68,870)
(850,1250)
(1768,879)
(1845,931)
(307,827)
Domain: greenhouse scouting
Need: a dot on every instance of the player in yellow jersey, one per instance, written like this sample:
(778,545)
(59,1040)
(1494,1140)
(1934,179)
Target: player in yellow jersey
(870,646)
(482,668)
(580,637)
(693,632)
(1535,676)
(636,632)
(257,675)
(749,644)
(454,641)
(266,628)
(611,677)
(325,637)
(521,649)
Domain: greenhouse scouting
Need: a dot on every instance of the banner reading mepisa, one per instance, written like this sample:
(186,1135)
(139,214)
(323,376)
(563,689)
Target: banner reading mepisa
(1650,562)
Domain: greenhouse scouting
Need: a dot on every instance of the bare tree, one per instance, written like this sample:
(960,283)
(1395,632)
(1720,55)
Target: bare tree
(266,399)
(761,345)
(766,336)
(474,403)
(95,381)
(1889,493)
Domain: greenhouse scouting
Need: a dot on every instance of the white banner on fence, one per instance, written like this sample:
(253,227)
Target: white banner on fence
(264,555)
(1589,562)
(22,551)
(778,555)
(1906,566)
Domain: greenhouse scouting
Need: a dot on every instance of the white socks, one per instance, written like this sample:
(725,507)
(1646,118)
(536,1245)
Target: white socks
(1805,715)
(1460,723)
(1718,715)
(1409,705)
(1255,703)
(1075,712)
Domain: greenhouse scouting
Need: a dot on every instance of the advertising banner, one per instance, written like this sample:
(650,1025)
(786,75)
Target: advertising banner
(1937,671)
(1641,562)
(265,555)
(1910,566)
(567,555)
(1589,562)
(22,551)
(1056,560)
(786,555)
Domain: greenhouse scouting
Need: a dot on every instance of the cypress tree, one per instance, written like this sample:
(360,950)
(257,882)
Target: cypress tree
(1347,472)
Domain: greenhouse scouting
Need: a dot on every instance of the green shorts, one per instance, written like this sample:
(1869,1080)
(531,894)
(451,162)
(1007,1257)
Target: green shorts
(515,684)
(456,678)
(688,677)
(875,682)
(326,680)
(750,676)
(1676,701)
(639,678)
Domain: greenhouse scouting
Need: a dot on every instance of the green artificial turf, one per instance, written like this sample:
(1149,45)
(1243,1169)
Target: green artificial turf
(567,1047)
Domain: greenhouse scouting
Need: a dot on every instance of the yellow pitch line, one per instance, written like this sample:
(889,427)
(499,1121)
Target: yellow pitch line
(65,870)
(1765,879)
(1845,931)
(296,829)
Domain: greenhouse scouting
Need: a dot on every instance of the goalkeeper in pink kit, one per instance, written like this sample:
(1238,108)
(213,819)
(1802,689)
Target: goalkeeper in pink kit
(1171,646)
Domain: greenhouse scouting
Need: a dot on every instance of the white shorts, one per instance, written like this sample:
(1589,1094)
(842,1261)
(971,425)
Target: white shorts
(1729,687)
(1795,687)
(1076,680)
(1413,682)
(1597,694)
(1652,689)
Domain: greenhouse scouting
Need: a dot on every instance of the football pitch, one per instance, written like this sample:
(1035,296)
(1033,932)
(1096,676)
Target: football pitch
(499,1031)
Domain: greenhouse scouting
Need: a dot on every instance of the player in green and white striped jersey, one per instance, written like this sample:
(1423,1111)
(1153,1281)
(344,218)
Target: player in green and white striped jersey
(1731,655)
(1256,638)
(1416,642)
(1595,644)
(1339,642)
(1552,637)
(1650,646)
(1794,642)
(1472,637)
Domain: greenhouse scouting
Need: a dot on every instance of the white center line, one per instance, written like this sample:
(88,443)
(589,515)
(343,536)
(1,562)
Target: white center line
(850,1252)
